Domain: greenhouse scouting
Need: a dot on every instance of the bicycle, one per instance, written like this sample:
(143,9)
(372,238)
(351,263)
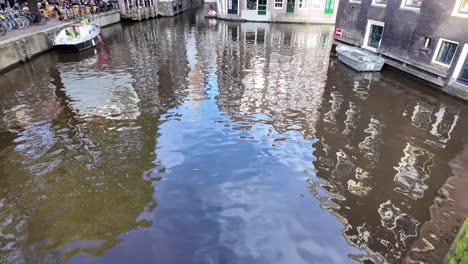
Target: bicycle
(3,29)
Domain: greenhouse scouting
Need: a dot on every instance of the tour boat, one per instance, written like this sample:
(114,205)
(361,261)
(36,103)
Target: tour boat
(77,37)
(359,59)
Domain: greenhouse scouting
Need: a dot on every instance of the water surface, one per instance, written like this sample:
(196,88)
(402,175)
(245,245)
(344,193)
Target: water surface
(185,140)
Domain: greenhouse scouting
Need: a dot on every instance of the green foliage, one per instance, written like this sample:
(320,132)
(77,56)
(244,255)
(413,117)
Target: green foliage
(458,253)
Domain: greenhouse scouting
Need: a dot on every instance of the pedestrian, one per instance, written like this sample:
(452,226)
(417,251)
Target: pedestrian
(25,7)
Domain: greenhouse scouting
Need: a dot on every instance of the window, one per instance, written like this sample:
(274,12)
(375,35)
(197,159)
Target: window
(316,4)
(373,35)
(251,4)
(379,2)
(302,4)
(461,8)
(278,4)
(460,74)
(463,77)
(427,42)
(445,52)
(329,7)
(412,4)
(232,6)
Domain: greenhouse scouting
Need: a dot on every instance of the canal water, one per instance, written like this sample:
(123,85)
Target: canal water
(185,140)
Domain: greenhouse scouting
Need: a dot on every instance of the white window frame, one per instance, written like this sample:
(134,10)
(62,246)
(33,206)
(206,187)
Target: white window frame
(366,36)
(404,6)
(377,4)
(460,63)
(304,4)
(456,8)
(437,50)
(276,1)
(355,1)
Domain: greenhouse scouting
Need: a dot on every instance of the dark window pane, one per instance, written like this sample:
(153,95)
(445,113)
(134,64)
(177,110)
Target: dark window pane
(446,52)
(463,78)
(251,4)
(375,36)
(232,6)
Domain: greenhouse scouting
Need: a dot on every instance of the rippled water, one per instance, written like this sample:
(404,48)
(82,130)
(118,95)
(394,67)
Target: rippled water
(185,140)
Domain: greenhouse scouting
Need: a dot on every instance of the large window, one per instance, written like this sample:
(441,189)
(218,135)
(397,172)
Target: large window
(278,4)
(412,3)
(374,33)
(232,6)
(463,7)
(375,36)
(463,77)
(316,4)
(302,4)
(445,52)
(251,4)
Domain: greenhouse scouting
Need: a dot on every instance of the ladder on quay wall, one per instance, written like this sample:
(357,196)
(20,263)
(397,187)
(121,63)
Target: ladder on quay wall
(22,50)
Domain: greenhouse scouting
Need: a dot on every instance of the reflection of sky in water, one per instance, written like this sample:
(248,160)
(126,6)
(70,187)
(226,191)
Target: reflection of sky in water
(262,215)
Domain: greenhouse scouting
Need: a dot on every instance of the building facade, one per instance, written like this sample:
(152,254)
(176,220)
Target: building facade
(145,9)
(425,38)
(299,11)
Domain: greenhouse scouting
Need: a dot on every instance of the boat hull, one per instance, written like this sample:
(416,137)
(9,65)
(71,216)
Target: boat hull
(348,57)
(90,43)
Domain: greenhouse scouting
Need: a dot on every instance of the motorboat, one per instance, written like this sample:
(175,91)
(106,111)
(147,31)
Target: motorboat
(77,37)
(359,59)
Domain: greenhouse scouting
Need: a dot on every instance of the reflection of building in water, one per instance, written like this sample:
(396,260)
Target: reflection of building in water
(448,212)
(145,79)
(274,71)
(413,169)
(361,141)
(75,173)
(196,76)
(422,115)
(100,93)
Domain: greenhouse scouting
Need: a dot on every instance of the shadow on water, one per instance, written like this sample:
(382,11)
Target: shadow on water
(261,147)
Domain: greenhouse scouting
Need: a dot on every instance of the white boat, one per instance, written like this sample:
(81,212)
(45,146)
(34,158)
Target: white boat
(77,37)
(359,59)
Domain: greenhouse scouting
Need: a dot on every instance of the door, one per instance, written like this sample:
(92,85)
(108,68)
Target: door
(290,6)
(375,36)
(262,6)
(232,6)
(329,7)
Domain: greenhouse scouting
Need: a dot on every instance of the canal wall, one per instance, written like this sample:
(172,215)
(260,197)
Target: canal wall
(23,47)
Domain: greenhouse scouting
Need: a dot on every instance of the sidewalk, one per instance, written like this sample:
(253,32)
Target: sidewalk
(32,29)
(21,45)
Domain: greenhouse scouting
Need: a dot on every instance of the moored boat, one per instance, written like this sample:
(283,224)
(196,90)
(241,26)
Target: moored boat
(359,59)
(77,37)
